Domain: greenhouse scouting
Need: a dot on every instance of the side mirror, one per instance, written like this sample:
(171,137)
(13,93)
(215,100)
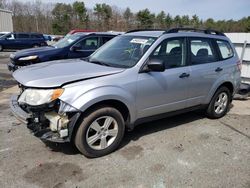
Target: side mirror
(75,48)
(156,65)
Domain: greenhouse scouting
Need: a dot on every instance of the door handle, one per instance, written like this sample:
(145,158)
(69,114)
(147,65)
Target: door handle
(184,75)
(218,69)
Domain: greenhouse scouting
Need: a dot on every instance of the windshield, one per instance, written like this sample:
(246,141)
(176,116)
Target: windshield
(122,51)
(67,40)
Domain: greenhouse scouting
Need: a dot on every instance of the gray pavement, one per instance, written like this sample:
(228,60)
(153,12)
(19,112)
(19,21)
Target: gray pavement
(188,150)
(6,79)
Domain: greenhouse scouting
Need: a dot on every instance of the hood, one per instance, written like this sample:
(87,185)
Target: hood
(34,51)
(61,72)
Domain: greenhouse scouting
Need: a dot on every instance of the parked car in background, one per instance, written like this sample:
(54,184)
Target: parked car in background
(73,46)
(136,77)
(21,41)
(47,37)
(3,33)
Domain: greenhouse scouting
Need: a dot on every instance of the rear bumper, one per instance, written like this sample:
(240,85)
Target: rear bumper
(39,130)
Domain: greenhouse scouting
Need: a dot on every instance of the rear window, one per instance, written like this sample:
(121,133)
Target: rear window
(225,49)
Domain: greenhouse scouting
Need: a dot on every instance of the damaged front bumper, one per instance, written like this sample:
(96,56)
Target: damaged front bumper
(46,123)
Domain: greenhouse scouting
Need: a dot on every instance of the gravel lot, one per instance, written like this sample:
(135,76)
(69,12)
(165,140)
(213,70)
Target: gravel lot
(188,150)
(6,79)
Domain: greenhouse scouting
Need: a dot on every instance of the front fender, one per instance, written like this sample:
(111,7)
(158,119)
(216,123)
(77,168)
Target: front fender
(85,100)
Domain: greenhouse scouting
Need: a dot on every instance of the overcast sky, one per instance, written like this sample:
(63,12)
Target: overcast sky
(216,9)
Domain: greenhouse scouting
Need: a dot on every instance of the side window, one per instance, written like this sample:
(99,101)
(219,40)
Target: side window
(172,52)
(202,51)
(225,49)
(23,36)
(105,39)
(36,36)
(10,37)
(88,44)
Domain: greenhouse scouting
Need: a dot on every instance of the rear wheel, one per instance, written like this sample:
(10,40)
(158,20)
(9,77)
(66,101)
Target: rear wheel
(100,132)
(219,104)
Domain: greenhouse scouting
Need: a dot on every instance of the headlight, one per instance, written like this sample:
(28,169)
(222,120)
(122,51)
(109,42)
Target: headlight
(35,97)
(33,57)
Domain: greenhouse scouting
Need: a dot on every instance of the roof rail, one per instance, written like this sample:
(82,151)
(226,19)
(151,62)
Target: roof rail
(138,30)
(206,31)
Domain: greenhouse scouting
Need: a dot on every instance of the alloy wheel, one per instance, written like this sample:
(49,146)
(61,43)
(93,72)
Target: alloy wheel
(221,103)
(102,132)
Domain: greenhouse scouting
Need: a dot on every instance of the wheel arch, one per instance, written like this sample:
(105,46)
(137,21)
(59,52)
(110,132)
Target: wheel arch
(117,104)
(226,84)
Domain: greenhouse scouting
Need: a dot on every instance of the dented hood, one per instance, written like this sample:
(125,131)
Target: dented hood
(61,72)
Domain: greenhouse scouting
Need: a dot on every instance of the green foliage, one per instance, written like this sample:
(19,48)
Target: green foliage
(128,16)
(168,21)
(62,14)
(145,19)
(160,19)
(104,15)
(60,18)
(79,10)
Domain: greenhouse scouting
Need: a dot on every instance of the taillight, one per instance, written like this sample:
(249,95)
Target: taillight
(239,65)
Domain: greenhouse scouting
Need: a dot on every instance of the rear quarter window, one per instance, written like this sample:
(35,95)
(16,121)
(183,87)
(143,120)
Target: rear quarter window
(225,49)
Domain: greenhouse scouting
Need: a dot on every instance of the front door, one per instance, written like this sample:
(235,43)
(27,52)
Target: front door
(161,92)
(84,48)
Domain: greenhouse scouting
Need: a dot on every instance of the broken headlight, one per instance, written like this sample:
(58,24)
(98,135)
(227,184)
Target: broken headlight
(35,97)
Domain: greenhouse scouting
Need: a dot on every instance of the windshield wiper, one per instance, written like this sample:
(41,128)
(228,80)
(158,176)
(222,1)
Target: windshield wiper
(99,63)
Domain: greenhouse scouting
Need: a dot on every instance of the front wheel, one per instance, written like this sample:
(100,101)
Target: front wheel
(219,104)
(100,132)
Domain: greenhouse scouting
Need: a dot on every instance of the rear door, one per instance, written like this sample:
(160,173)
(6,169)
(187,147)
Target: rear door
(36,39)
(23,41)
(205,68)
(84,47)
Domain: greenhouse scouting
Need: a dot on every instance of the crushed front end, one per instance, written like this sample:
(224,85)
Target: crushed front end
(53,121)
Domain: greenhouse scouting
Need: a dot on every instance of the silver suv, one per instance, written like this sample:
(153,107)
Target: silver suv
(136,77)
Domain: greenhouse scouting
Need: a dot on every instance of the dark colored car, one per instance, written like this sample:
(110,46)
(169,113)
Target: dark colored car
(22,41)
(47,37)
(73,46)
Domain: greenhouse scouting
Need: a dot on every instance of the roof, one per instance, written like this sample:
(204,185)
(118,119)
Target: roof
(146,33)
(97,33)
(175,32)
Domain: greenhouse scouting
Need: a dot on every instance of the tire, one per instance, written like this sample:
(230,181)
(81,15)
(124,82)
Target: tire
(219,104)
(92,133)
(1,48)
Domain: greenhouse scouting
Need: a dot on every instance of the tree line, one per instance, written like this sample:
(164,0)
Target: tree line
(59,18)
